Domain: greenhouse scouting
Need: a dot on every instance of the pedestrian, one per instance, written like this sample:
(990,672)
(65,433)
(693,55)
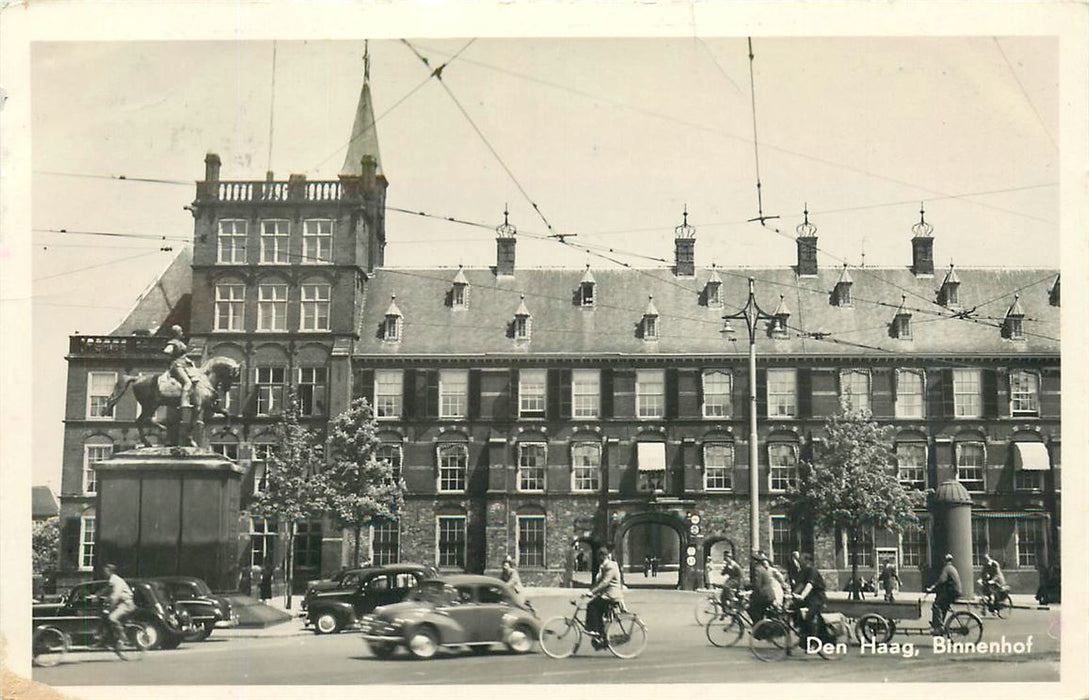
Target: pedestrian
(654,567)
(946,589)
(606,590)
(266,582)
(646,566)
(889,579)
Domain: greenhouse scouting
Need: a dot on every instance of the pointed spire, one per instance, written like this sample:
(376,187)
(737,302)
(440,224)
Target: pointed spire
(951,276)
(588,277)
(1015,310)
(393,310)
(364,139)
(902,309)
(714,278)
(460,278)
(845,276)
(651,309)
(922,229)
(781,309)
(522,310)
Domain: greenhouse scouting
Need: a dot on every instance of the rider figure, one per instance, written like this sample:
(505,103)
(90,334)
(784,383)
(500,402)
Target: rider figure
(606,590)
(731,582)
(180,363)
(946,590)
(120,598)
(810,595)
(992,581)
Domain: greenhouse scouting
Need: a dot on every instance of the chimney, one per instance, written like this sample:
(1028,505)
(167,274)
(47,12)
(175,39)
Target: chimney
(211,167)
(807,247)
(922,247)
(504,247)
(684,249)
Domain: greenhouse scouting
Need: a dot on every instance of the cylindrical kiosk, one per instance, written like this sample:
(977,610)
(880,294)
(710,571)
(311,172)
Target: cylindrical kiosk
(951,532)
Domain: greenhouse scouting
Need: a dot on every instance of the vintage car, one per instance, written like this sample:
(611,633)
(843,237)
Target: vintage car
(78,611)
(206,610)
(333,610)
(461,610)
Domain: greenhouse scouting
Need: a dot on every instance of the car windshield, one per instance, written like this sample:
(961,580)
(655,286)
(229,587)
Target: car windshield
(434,592)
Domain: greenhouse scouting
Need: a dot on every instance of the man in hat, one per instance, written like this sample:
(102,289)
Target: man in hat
(606,590)
(889,579)
(179,363)
(946,589)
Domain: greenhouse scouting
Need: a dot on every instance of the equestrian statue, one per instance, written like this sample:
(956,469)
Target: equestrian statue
(182,386)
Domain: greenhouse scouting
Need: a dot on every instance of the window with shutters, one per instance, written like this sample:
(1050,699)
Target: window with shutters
(388,393)
(782,393)
(585,466)
(650,393)
(980,541)
(1030,542)
(231,242)
(913,546)
(317,241)
(1024,393)
(911,464)
(971,458)
(230,304)
(453,393)
(717,390)
(967,402)
(453,466)
(87,534)
(92,455)
(854,389)
(270,390)
(909,393)
(450,544)
(275,237)
(531,541)
(782,465)
(718,466)
(532,389)
(385,542)
(390,452)
(312,383)
(531,466)
(585,393)
(272,307)
(100,386)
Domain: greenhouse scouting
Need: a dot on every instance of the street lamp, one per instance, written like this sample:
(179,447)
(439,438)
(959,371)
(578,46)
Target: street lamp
(752,314)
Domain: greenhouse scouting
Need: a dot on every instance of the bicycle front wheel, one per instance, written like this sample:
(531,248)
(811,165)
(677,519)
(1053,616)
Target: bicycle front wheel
(769,640)
(560,637)
(135,644)
(50,646)
(706,610)
(725,631)
(964,627)
(626,636)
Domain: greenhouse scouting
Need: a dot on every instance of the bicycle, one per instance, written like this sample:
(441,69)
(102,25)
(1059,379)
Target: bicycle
(727,628)
(772,638)
(994,599)
(625,634)
(51,644)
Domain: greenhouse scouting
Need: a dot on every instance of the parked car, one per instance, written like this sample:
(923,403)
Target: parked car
(78,610)
(206,610)
(330,611)
(452,611)
(346,578)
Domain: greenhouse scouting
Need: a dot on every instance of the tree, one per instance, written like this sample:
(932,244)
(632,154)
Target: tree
(45,540)
(361,487)
(852,483)
(294,480)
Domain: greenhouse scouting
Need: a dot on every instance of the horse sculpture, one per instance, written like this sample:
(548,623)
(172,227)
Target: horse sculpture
(210,381)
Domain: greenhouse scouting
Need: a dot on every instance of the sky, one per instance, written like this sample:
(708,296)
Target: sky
(611,138)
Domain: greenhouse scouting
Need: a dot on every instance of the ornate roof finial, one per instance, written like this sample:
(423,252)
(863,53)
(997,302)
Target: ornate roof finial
(922,229)
(684,230)
(366,60)
(806,229)
(505,229)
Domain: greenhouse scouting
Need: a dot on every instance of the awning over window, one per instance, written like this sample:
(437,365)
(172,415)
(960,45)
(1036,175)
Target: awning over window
(651,456)
(1031,456)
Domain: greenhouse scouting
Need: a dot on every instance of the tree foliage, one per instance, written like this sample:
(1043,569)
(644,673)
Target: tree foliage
(45,540)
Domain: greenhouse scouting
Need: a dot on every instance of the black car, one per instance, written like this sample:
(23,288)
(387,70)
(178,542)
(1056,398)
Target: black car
(206,610)
(330,611)
(78,611)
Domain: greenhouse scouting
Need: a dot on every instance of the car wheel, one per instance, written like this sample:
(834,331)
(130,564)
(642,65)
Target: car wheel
(520,639)
(155,635)
(170,641)
(200,633)
(423,643)
(382,650)
(326,623)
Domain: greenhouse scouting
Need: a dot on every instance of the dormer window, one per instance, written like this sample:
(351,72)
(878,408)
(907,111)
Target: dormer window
(713,290)
(522,321)
(1014,323)
(391,329)
(949,294)
(901,323)
(1053,293)
(650,321)
(842,292)
(586,288)
(779,319)
(459,294)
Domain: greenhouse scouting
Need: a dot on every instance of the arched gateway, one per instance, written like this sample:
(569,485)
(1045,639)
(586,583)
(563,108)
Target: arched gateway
(664,535)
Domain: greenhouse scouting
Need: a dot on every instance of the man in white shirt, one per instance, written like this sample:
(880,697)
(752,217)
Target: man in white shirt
(119,594)
(606,590)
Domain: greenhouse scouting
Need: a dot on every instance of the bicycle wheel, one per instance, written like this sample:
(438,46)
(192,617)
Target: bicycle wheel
(626,635)
(872,627)
(135,644)
(769,640)
(1001,604)
(560,637)
(707,610)
(50,646)
(836,636)
(725,631)
(964,627)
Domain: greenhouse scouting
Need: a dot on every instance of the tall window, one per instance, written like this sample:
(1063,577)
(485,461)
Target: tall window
(531,466)
(275,236)
(783,465)
(312,382)
(585,393)
(862,551)
(531,393)
(521,327)
(317,241)
(911,464)
(650,327)
(451,542)
(650,393)
(453,393)
(1024,393)
(586,293)
(87,543)
(913,546)
(100,386)
(453,465)
(718,466)
(909,393)
(585,466)
(270,390)
(388,393)
(230,307)
(262,542)
(783,540)
(314,307)
(390,452)
(531,541)
(854,387)
(459,295)
(272,307)
(92,455)
(385,542)
(231,243)
(970,461)
(980,540)
(717,387)
(262,454)
(1030,542)
(307,553)
(966,393)
(782,393)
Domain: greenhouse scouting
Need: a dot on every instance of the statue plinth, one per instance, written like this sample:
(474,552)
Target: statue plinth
(170,511)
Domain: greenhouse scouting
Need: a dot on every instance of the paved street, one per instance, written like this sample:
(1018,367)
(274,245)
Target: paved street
(677,652)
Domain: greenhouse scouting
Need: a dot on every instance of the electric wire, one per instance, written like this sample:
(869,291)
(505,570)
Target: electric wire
(1024,92)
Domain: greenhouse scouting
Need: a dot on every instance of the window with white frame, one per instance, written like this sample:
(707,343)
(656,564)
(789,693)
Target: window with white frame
(1028,480)
(390,452)
(909,393)
(980,540)
(1024,393)
(317,241)
(275,239)
(100,386)
(532,392)
(718,466)
(650,328)
(453,465)
(911,464)
(585,393)
(270,389)
(459,296)
(385,542)
(87,534)
(854,388)
(262,454)
(262,542)
(450,545)
(783,540)
(230,307)
(782,393)
(231,242)
(225,449)
(388,393)
(970,465)
(311,391)
(314,306)
(92,455)
(1030,542)
(392,330)
(913,546)
(650,393)
(453,393)
(531,466)
(782,465)
(522,327)
(272,307)
(585,466)
(714,294)
(717,390)
(967,402)
(531,541)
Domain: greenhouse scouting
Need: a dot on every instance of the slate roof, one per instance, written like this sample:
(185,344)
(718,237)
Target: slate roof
(43,504)
(364,140)
(165,302)
(561,326)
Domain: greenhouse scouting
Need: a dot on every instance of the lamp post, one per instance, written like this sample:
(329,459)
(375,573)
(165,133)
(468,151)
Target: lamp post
(752,314)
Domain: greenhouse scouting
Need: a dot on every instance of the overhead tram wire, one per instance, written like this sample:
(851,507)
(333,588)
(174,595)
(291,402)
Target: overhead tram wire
(272,108)
(93,267)
(114,234)
(756,144)
(1024,92)
(126,178)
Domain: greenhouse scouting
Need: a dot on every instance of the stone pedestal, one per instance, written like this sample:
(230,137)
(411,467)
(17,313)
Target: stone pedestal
(170,511)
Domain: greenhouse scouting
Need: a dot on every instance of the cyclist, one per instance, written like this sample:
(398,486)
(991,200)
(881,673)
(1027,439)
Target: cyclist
(810,594)
(946,590)
(606,590)
(992,582)
(731,582)
(763,588)
(119,595)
